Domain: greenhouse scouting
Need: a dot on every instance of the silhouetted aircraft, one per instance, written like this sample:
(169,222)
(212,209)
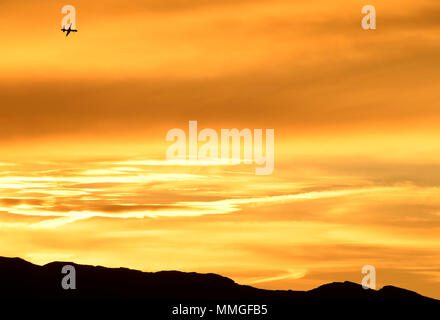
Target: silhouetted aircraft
(69,30)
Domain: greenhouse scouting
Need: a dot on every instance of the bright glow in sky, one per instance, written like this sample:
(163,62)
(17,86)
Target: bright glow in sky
(83,122)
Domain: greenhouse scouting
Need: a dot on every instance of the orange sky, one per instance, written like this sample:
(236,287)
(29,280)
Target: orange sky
(83,122)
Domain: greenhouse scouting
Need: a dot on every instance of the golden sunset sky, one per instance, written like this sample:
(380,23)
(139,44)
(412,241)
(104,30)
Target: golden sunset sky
(83,120)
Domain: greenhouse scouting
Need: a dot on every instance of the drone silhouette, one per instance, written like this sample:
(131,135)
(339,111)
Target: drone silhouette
(69,30)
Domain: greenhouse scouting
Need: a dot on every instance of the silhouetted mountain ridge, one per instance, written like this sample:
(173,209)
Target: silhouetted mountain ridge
(25,279)
(158,292)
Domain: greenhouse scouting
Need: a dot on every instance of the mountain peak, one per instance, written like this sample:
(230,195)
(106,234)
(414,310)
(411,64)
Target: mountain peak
(21,280)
